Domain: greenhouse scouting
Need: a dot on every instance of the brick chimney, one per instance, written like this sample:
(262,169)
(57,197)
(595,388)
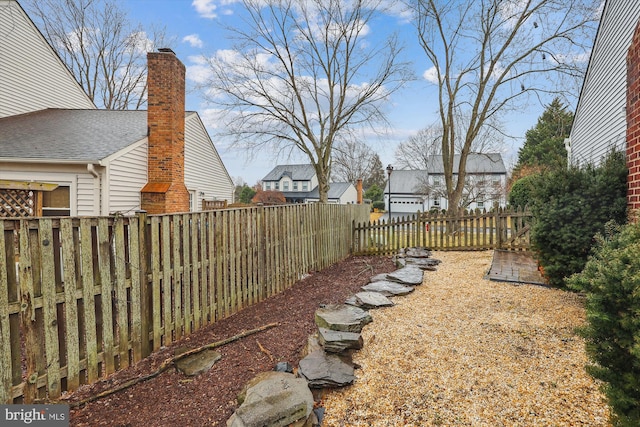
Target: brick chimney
(165,191)
(633,125)
(359,191)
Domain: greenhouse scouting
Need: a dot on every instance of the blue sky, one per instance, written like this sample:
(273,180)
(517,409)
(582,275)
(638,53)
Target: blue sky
(197,28)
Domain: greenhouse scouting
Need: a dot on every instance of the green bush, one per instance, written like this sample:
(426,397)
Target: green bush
(374,193)
(379,204)
(570,206)
(521,191)
(611,281)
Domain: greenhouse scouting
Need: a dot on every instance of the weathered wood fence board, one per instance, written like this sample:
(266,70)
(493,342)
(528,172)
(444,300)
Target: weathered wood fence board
(81,298)
(476,230)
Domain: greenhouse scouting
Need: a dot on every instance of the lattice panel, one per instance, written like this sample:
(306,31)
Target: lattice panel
(17,203)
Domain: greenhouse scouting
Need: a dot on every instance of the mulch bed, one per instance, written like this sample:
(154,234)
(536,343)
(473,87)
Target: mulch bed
(172,399)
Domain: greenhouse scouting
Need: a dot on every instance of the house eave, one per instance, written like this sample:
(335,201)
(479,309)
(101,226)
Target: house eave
(46,161)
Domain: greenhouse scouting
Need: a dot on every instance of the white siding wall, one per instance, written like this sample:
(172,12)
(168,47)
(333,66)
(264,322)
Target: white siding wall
(127,174)
(349,196)
(203,169)
(88,195)
(600,119)
(32,76)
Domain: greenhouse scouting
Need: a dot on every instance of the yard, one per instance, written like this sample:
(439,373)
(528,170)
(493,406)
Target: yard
(465,351)
(460,350)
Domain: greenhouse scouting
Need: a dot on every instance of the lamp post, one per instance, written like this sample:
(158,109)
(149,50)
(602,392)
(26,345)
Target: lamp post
(389,171)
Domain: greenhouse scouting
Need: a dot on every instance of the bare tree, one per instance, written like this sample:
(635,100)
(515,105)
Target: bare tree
(302,77)
(414,153)
(353,160)
(417,151)
(104,51)
(488,56)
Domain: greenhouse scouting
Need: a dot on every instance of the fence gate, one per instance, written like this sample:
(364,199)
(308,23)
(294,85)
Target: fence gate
(470,230)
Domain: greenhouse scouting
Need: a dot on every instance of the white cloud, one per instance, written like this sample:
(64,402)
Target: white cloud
(199,70)
(193,40)
(205,8)
(431,75)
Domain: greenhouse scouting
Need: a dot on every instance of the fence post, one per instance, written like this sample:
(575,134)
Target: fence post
(498,228)
(145,312)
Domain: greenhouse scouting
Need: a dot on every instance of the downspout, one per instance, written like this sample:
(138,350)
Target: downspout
(91,168)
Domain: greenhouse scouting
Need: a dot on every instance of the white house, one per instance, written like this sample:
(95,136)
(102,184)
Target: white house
(600,118)
(50,132)
(299,184)
(414,191)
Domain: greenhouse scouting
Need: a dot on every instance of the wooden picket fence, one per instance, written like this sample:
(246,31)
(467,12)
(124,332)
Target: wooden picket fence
(503,228)
(81,298)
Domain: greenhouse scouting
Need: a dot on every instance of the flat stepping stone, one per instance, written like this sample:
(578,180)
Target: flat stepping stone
(324,370)
(379,277)
(422,263)
(417,252)
(342,317)
(198,363)
(389,289)
(369,299)
(273,399)
(412,276)
(338,342)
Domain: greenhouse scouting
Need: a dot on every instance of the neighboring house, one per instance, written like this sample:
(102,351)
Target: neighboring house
(339,192)
(299,184)
(102,161)
(32,75)
(423,190)
(600,118)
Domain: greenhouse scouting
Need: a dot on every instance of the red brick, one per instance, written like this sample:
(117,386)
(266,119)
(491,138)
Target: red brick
(166,105)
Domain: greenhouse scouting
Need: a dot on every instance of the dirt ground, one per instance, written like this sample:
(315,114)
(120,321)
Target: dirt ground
(172,399)
(459,351)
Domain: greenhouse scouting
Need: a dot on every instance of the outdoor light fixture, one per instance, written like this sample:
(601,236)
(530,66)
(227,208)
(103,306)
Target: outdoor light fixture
(389,171)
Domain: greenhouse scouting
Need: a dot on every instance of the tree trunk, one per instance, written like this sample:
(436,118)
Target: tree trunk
(323,188)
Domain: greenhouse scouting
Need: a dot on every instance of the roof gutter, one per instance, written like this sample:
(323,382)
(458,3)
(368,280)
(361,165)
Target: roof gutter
(44,161)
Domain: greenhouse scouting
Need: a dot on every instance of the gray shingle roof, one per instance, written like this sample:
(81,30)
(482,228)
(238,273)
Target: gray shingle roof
(476,163)
(336,190)
(409,181)
(70,135)
(296,172)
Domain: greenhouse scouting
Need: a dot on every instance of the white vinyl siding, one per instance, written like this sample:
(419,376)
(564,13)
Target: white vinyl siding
(33,76)
(349,196)
(204,171)
(88,195)
(127,176)
(600,119)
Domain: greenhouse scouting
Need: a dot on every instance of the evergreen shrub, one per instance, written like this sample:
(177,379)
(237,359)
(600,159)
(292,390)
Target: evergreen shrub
(611,281)
(570,206)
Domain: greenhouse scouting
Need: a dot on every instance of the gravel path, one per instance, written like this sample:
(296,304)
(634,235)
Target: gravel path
(465,351)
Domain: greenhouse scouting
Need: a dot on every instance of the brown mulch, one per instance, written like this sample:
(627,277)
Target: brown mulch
(172,399)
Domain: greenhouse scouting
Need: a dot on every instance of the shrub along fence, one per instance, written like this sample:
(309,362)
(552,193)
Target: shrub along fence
(83,297)
(470,230)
